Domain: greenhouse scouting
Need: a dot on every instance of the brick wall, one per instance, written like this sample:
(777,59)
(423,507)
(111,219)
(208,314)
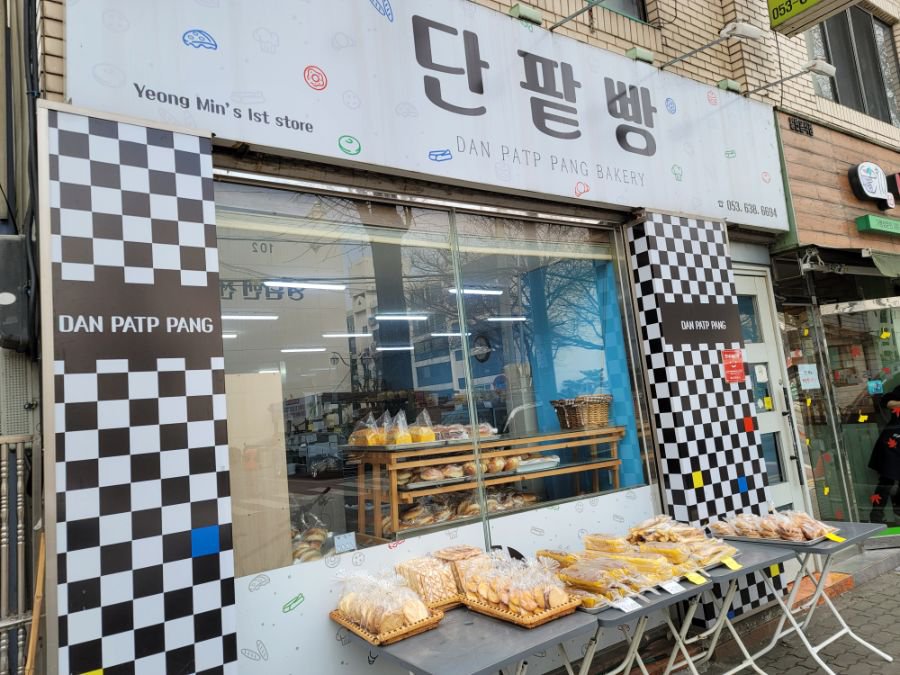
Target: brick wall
(825,207)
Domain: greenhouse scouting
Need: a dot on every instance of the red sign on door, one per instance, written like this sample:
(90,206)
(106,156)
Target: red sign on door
(733,364)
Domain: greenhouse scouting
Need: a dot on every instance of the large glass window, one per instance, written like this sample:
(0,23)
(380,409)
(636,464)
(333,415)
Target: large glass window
(862,49)
(392,370)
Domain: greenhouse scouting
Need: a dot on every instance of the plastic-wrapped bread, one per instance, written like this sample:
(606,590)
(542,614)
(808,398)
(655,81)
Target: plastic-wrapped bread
(460,552)
(747,525)
(430,577)
(722,528)
(645,563)
(561,558)
(711,552)
(520,587)
(605,542)
(675,553)
(664,529)
(380,604)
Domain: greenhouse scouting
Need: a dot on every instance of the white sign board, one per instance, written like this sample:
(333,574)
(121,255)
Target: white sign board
(448,90)
(809,376)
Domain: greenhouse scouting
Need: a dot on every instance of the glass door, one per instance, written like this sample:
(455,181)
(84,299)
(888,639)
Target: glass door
(863,357)
(766,377)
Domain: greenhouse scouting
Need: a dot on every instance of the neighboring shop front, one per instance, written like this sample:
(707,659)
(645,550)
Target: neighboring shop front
(452,249)
(837,282)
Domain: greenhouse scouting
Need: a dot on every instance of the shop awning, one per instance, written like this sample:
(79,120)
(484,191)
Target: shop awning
(887,263)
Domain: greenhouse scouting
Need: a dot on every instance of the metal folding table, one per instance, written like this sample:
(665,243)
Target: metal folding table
(752,558)
(853,534)
(613,618)
(468,643)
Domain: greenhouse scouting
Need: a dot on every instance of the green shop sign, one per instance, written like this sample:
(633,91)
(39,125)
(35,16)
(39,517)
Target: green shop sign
(882,224)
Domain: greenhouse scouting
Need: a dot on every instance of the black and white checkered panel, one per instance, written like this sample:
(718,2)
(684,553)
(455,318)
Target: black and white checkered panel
(144,556)
(706,427)
(145,566)
(132,198)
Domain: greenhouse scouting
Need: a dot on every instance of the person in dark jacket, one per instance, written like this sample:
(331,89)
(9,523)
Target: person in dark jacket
(885,459)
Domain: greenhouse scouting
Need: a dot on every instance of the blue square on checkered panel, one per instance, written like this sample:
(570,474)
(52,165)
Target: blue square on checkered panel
(742,483)
(204,541)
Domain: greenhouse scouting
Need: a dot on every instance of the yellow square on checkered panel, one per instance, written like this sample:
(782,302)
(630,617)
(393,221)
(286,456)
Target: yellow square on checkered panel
(698,479)
(99,671)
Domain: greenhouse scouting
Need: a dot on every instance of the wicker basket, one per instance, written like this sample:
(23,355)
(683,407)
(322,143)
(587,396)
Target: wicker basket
(393,636)
(530,621)
(584,411)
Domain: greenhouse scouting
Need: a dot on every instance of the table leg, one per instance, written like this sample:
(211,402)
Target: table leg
(845,629)
(788,616)
(615,469)
(567,662)
(395,499)
(589,652)
(680,635)
(792,596)
(720,620)
(679,643)
(376,498)
(820,587)
(633,647)
(637,653)
(361,496)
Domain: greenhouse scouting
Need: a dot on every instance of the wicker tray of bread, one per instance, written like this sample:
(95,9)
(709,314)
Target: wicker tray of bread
(530,620)
(447,604)
(391,636)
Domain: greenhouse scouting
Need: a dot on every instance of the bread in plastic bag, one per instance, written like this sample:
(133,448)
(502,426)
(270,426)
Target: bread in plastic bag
(605,542)
(381,604)
(398,431)
(422,431)
(431,578)
(364,432)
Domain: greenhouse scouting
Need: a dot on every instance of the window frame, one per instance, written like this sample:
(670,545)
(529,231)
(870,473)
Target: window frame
(869,107)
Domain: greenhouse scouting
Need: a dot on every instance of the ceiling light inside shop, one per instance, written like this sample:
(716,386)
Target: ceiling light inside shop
(508,318)
(229,336)
(477,291)
(302,350)
(269,371)
(346,335)
(309,285)
(448,334)
(401,317)
(249,317)
(407,348)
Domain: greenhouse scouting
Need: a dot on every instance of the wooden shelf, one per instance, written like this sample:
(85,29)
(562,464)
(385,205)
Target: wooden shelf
(407,496)
(384,463)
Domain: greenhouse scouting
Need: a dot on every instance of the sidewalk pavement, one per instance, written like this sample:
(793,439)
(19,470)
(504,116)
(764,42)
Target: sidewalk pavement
(872,610)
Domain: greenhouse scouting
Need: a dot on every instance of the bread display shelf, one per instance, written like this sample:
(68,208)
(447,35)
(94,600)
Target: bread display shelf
(408,496)
(416,447)
(392,636)
(529,621)
(378,468)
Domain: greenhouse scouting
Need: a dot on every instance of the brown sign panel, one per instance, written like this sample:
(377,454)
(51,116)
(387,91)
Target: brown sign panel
(691,323)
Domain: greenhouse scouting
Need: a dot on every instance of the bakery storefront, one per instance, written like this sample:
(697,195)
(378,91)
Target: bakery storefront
(837,274)
(382,311)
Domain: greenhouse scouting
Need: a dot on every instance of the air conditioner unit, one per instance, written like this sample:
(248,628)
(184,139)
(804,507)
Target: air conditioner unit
(18,393)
